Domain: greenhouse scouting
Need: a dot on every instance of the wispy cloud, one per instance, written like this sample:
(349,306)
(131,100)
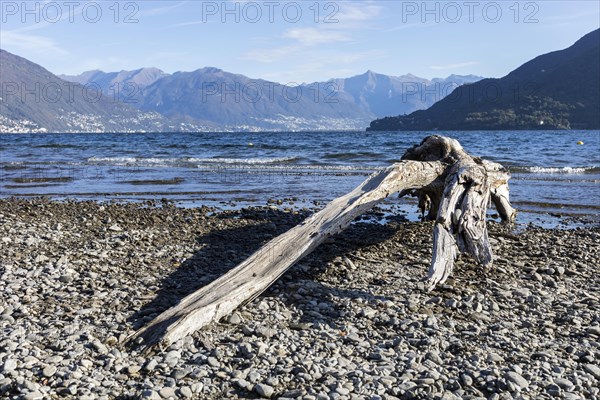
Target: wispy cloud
(43,23)
(313,36)
(452,66)
(350,19)
(190,23)
(31,43)
(305,38)
(325,65)
(357,13)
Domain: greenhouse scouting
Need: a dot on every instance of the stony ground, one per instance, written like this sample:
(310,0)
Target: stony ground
(350,321)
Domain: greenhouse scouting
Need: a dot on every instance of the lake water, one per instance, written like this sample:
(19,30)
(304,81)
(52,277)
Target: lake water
(551,173)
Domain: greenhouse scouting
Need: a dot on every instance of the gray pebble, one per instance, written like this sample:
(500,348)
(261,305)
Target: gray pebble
(243,384)
(234,318)
(265,332)
(99,347)
(592,369)
(564,383)
(186,392)
(49,371)
(406,386)
(253,376)
(172,357)
(34,396)
(517,379)
(264,390)
(180,373)
(213,362)
(466,380)
(167,392)
(593,330)
(133,369)
(342,390)
(150,365)
(10,365)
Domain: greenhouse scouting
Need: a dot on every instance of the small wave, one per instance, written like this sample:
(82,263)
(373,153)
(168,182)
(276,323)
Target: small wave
(556,170)
(353,156)
(188,161)
(247,161)
(125,161)
(12,166)
(299,168)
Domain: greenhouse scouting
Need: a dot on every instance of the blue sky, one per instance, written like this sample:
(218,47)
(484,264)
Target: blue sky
(286,41)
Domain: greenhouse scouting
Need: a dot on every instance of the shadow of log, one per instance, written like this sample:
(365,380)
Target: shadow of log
(220,251)
(223,249)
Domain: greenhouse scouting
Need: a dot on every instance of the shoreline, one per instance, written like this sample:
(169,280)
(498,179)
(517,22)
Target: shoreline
(350,321)
(405,209)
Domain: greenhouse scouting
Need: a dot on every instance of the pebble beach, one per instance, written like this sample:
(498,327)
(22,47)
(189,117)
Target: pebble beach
(353,320)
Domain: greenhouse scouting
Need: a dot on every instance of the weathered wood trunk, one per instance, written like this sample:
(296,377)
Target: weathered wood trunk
(439,167)
(460,208)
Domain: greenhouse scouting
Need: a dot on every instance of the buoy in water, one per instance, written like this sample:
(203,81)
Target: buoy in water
(580,142)
(250,144)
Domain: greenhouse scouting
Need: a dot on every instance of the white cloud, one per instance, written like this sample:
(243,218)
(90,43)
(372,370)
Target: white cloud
(323,66)
(452,66)
(356,13)
(309,37)
(306,47)
(313,36)
(190,23)
(31,43)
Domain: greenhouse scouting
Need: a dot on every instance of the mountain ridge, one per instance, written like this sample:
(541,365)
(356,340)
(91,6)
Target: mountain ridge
(32,99)
(556,90)
(341,103)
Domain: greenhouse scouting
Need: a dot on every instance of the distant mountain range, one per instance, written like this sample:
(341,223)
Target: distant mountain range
(142,77)
(558,90)
(208,99)
(213,97)
(32,99)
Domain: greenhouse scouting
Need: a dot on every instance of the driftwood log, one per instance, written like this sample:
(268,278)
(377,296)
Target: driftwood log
(455,187)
